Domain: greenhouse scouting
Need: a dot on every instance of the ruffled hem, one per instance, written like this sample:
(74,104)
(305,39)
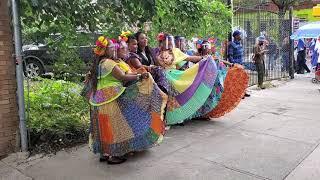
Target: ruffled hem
(133,122)
(181,106)
(176,115)
(146,141)
(106,95)
(235,86)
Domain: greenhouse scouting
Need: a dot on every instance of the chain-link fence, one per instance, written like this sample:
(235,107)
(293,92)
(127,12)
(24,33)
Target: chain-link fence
(254,23)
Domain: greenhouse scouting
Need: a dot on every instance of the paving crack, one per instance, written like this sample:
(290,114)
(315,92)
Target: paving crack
(284,138)
(236,170)
(304,158)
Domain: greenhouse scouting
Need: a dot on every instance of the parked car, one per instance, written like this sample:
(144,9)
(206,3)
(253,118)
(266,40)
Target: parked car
(40,58)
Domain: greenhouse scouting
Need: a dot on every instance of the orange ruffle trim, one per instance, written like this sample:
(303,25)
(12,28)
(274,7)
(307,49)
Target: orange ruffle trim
(235,85)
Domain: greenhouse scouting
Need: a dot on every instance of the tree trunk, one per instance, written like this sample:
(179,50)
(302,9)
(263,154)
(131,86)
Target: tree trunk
(281,16)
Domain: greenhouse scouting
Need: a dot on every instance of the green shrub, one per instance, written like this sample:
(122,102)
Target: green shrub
(69,66)
(56,107)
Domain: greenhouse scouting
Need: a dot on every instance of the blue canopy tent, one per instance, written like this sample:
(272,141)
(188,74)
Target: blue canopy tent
(311,30)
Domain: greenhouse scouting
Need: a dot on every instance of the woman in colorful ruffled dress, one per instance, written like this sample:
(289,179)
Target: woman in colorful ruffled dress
(205,48)
(189,90)
(144,51)
(123,119)
(229,86)
(136,62)
(122,49)
(132,59)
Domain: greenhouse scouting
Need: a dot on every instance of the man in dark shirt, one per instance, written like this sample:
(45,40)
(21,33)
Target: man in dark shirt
(235,51)
(302,57)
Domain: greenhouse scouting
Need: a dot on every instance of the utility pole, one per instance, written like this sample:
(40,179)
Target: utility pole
(19,73)
(291,50)
(230,5)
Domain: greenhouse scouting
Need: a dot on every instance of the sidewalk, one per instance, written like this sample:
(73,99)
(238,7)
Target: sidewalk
(10,173)
(272,135)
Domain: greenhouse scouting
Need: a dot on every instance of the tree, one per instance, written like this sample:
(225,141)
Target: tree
(247,3)
(192,18)
(41,18)
(283,7)
(120,15)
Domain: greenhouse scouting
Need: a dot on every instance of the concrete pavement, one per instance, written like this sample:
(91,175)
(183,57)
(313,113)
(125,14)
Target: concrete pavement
(274,134)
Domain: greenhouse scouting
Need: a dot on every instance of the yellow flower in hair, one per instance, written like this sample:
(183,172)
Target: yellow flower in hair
(101,45)
(101,38)
(105,42)
(102,42)
(125,33)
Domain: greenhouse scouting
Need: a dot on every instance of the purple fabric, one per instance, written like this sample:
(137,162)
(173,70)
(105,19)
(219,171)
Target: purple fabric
(132,56)
(159,77)
(202,76)
(155,52)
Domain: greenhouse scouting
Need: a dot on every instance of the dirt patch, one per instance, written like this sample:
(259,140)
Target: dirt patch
(52,142)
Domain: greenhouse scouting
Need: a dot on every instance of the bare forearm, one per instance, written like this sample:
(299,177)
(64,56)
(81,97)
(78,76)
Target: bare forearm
(130,77)
(136,63)
(227,62)
(194,59)
(121,76)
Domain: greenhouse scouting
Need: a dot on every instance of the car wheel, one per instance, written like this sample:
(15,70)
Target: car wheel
(33,68)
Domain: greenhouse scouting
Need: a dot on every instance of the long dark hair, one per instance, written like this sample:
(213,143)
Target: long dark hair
(132,38)
(93,78)
(147,48)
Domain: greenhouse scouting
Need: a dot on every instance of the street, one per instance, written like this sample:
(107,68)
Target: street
(274,134)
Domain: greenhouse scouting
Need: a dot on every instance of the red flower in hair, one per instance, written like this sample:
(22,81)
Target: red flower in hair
(99,44)
(114,40)
(161,36)
(211,40)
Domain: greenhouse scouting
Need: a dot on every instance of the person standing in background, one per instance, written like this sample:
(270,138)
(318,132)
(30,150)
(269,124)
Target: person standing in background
(235,51)
(272,53)
(301,58)
(314,53)
(259,59)
(285,54)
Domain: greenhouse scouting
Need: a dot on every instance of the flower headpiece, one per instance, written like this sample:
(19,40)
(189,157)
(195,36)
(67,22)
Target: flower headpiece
(101,45)
(199,43)
(212,40)
(161,36)
(124,36)
(116,43)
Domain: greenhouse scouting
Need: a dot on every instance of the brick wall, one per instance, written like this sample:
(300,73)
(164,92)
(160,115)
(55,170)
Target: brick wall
(8,101)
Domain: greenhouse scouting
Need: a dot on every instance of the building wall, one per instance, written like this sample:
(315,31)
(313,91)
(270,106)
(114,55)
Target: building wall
(8,99)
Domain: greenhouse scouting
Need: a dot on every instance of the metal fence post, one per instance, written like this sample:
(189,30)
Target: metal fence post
(19,73)
(230,20)
(229,3)
(291,50)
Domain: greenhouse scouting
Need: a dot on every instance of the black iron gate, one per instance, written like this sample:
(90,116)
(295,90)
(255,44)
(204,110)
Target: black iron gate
(254,23)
